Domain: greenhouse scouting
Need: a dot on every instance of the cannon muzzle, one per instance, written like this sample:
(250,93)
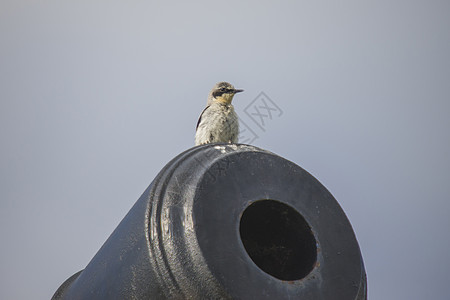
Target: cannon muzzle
(226,221)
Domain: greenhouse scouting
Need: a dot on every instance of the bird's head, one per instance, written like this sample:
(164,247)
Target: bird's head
(222,92)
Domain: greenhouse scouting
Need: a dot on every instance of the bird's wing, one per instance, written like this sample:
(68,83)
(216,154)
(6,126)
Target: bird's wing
(200,118)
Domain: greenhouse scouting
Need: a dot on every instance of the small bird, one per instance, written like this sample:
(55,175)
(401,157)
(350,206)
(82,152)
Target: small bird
(218,122)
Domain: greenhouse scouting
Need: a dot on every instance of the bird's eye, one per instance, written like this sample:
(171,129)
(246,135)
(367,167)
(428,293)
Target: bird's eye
(223,89)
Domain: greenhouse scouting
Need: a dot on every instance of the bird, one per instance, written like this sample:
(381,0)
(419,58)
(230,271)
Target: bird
(218,122)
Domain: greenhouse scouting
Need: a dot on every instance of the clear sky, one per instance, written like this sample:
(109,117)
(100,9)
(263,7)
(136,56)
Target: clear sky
(97,96)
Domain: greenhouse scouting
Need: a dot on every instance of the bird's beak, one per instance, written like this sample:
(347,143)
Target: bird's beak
(238,91)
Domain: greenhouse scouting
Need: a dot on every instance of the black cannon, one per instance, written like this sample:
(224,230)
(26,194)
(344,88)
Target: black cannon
(226,221)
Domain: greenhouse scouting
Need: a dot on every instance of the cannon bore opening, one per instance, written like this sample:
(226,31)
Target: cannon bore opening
(278,239)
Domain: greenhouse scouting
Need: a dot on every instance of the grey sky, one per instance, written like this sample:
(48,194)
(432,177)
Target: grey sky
(97,96)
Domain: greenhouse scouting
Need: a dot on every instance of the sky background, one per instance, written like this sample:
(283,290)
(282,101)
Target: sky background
(97,96)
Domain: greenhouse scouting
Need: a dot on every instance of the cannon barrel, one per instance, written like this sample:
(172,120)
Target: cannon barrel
(227,221)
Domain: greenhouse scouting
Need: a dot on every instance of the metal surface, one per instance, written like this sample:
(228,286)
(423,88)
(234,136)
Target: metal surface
(227,222)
